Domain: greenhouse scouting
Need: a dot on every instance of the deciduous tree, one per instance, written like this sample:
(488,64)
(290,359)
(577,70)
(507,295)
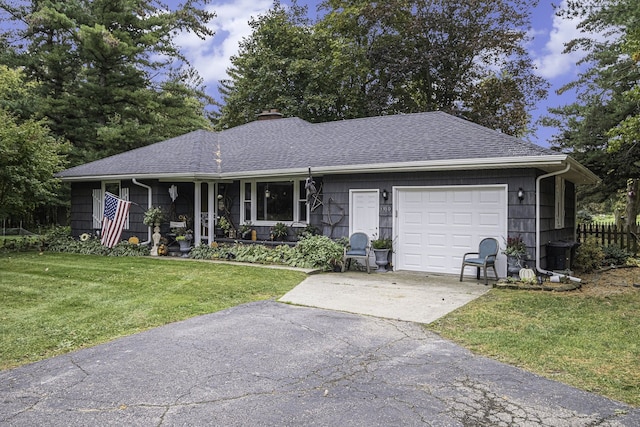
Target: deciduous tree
(29,153)
(365,58)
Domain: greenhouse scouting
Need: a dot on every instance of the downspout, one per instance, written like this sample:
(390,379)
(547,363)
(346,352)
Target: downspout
(538,180)
(149,203)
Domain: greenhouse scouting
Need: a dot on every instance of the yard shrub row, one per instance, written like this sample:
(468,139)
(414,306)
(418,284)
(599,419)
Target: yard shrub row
(591,255)
(310,252)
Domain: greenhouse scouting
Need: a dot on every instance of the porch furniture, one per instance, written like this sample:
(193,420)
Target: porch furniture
(358,247)
(485,258)
(172,235)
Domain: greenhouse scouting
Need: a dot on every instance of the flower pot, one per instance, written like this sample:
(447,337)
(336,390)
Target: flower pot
(382,259)
(185,246)
(513,266)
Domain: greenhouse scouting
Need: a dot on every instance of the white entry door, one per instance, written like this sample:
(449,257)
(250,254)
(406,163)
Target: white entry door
(436,226)
(364,208)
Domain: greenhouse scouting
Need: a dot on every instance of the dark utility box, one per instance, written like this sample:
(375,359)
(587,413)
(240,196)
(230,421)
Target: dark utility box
(560,255)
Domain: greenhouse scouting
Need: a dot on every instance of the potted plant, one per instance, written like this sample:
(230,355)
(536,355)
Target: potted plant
(225,225)
(516,251)
(184,237)
(153,217)
(381,248)
(279,232)
(245,230)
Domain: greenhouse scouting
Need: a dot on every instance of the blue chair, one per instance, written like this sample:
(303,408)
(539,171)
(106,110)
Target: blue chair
(485,258)
(358,247)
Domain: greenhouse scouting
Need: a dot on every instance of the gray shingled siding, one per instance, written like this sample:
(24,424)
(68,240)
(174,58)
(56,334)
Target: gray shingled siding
(548,232)
(521,219)
(82,208)
(521,215)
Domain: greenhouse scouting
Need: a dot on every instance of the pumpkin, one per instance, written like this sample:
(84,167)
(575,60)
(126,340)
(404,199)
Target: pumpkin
(526,273)
(134,240)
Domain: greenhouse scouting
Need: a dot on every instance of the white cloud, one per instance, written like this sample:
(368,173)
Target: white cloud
(551,62)
(211,57)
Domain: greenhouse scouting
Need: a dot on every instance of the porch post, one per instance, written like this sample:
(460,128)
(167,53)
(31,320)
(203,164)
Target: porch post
(211,210)
(197,210)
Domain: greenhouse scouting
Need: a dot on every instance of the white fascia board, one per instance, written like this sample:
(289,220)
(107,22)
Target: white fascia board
(547,163)
(161,177)
(552,161)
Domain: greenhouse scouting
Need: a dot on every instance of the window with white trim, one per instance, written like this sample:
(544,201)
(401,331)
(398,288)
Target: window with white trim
(97,194)
(269,202)
(559,202)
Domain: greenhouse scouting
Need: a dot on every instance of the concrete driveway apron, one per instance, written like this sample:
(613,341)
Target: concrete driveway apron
(273,364)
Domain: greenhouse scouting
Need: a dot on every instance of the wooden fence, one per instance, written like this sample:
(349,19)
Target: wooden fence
(609,235)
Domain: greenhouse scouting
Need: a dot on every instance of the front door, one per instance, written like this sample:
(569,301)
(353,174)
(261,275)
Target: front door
(364,210)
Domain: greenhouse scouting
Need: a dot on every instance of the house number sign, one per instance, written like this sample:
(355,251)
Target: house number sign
(385,209)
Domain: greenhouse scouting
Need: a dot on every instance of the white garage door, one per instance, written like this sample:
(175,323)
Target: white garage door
(436,226)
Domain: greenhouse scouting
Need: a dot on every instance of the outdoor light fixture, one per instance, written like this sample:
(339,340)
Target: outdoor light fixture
(267,193)
(520,194)
(385,195)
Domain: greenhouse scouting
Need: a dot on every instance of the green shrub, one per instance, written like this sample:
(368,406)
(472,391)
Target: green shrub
(204,252)
(320,252)
(60,240)
(280,231)
(310,252)
(589,255)
(614,255)
(125,248)
(309,230)
(19,243)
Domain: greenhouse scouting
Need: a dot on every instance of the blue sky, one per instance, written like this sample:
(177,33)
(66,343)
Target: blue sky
(549,33)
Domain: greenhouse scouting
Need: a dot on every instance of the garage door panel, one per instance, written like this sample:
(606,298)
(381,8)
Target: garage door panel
(437,218)
(413,218)
(437,197)
(412,239)
(461,240)
(437,240)
(488,197)
(489,219)
(464,197)
(452,222)
(462,219)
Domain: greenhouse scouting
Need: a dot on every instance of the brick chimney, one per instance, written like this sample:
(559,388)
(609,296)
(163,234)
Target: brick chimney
(272,114)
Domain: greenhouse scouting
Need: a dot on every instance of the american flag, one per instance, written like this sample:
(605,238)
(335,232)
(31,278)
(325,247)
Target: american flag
(115,216)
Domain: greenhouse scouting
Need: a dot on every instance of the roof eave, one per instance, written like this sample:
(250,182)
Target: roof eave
(160,177)
(549,163)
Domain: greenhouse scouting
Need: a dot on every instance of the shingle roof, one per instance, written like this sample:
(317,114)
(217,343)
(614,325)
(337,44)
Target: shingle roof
(294,144)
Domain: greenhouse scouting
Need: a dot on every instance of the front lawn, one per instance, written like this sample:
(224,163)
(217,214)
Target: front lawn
(54,303)
(588,338)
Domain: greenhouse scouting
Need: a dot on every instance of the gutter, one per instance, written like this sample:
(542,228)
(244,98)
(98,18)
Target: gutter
(540,270)
(149,201)
(546,163)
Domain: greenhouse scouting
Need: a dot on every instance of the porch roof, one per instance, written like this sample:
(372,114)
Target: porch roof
(289,146)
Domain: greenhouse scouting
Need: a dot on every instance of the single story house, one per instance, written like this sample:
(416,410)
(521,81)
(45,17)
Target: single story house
(434,183)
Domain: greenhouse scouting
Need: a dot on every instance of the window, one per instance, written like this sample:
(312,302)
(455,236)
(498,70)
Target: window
(559,202)
(268,202)
(97,194)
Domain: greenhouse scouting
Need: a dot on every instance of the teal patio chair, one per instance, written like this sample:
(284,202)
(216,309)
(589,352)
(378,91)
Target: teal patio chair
(485,258)
(358,247)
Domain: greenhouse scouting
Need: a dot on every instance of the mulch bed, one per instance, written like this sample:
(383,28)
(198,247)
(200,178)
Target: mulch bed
(606,281)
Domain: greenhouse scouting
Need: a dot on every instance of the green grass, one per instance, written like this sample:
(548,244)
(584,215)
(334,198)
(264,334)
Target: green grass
(56,303)
(592,343)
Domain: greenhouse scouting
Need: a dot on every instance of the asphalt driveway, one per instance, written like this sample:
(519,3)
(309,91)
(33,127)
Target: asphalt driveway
(269,363)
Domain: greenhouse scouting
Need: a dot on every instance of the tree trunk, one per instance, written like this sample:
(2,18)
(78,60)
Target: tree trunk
(632,205)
